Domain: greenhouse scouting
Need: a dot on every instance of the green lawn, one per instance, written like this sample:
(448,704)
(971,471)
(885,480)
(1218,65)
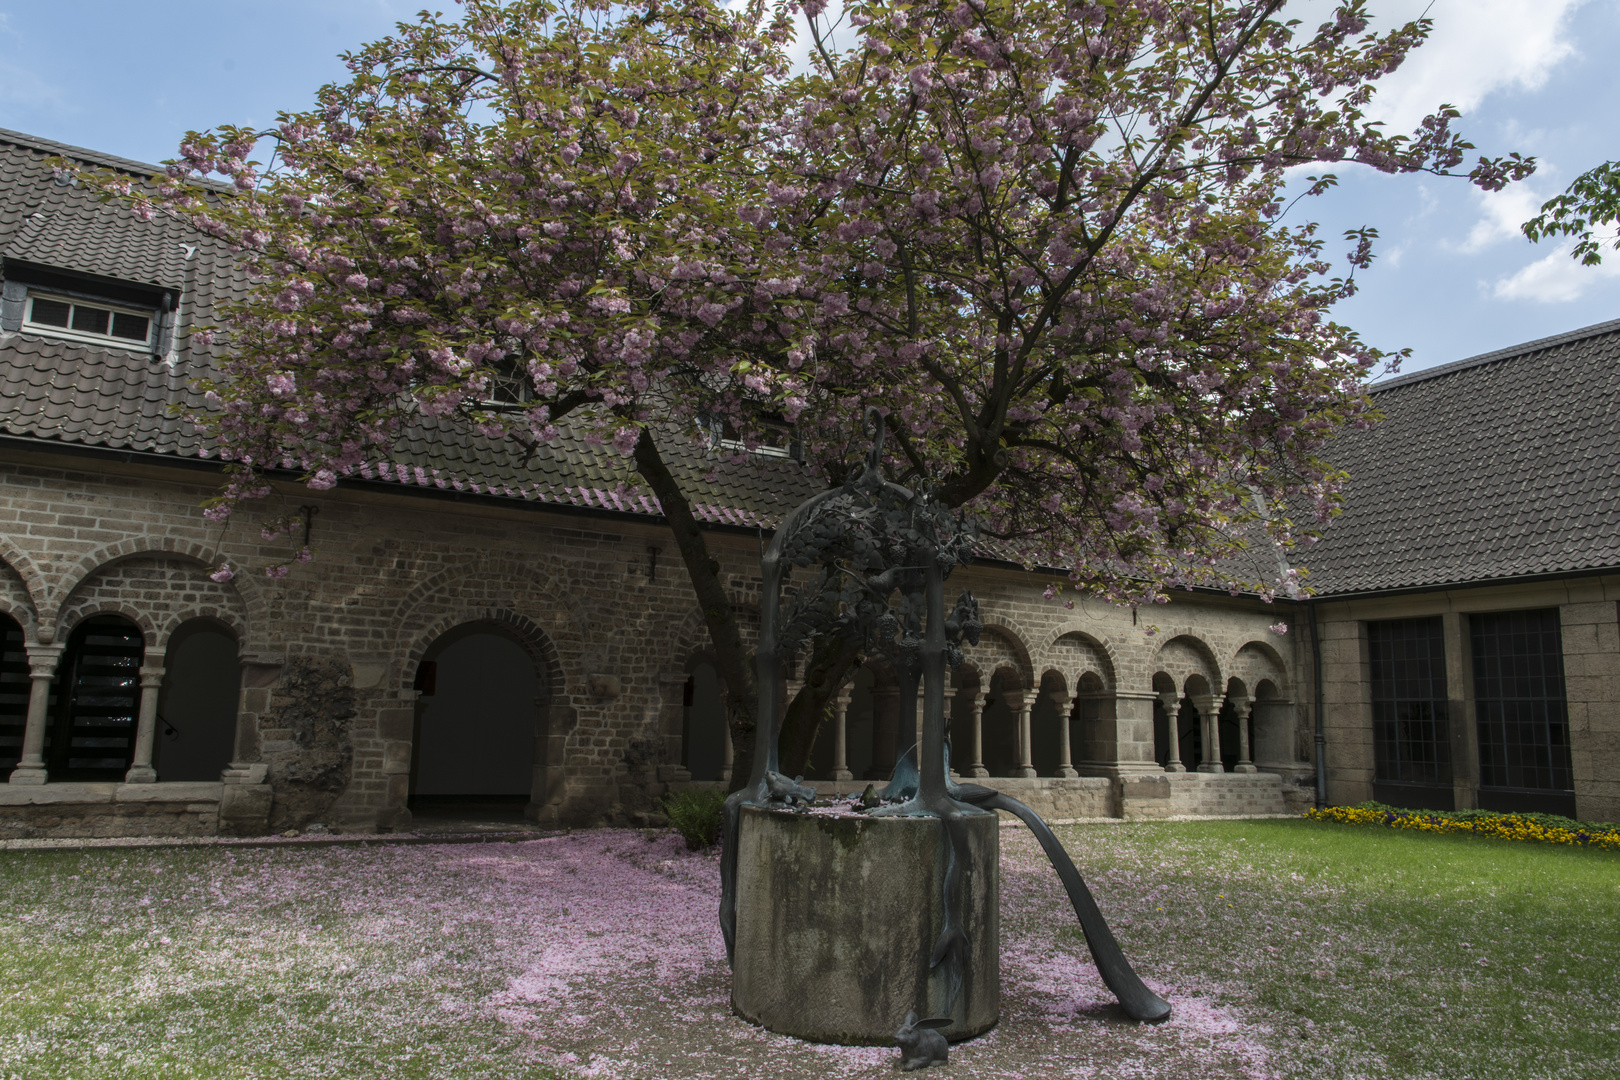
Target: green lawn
(1377,952)
(1288,948)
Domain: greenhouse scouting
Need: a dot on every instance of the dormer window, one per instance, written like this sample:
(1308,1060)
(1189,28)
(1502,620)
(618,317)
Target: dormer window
(508,389)
(87,321)
(774,439)
(87,308)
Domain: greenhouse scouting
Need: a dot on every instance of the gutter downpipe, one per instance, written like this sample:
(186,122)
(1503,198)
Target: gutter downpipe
(1321,736)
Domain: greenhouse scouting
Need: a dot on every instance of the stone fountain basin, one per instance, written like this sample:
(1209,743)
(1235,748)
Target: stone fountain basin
(837,915)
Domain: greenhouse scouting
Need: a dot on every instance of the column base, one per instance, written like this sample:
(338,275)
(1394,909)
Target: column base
(28,774)
(1175,766)
(1067,772)
(1244,767)
(1027,772)
(1212,767)
(977,772)
(141,774)
(842,774)
(245,772)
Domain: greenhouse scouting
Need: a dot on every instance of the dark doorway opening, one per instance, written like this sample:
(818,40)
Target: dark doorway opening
(474,751)
(97,700)
(14,689)
(202,680)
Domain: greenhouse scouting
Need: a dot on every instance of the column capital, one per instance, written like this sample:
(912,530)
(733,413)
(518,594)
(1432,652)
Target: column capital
(151,675)
(42,659)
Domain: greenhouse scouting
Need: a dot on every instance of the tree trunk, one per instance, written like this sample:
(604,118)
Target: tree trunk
(732,661)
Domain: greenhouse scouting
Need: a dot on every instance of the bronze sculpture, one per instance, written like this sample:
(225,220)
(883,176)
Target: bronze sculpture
(869,539)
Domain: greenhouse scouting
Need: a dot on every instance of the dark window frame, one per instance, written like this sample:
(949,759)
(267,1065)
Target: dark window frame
(78,304)
(1521,710)
(1411,722)
(96,706)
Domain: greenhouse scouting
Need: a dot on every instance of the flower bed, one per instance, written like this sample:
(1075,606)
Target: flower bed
(1544,828)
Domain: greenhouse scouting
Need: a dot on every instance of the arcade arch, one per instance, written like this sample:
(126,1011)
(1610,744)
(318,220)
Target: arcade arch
(482,710)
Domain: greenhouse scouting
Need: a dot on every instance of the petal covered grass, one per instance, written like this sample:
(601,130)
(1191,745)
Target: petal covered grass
(1288,948)
(1541,828)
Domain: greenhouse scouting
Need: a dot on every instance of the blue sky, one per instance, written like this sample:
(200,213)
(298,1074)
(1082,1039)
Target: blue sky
(1454,278)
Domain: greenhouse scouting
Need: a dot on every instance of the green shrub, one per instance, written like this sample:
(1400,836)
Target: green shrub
(696,814)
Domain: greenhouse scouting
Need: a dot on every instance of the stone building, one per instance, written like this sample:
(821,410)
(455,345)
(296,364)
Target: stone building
(480,626)
(1467,596)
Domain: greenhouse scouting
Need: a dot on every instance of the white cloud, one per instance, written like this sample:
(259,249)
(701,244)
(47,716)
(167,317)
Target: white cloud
(1556,278)
(1504,211)
(1477,47)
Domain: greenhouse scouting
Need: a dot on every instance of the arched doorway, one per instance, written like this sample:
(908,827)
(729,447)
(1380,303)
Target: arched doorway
(858,723)
(703,725)
(1046,718)
(96,701)
(196,720)
(1226,723)
(1000,719)
(476,741)
(14,688)
(1190,734)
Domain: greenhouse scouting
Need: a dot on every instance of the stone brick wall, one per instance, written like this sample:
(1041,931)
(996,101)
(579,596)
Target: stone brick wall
(331,651)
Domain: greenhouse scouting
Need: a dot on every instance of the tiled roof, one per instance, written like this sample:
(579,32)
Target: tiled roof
(1503,465)
(74,393)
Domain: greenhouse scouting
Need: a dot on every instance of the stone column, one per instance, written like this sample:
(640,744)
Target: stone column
(140,770)
(1209,725)
(840,765)
(1242,706)
(1209,732)
(42,661)
(1064,701)
(1026,760)
(975,767)
(1172,707)
(725,760)
(917,721)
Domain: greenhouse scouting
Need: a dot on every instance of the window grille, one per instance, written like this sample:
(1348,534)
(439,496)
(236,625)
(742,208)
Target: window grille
(1519,701)
(1411,738)
(88,308)
(14,688)
(95,322)
(93,737)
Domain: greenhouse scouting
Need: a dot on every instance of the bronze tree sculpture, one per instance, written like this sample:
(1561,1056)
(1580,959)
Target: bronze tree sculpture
(867,541)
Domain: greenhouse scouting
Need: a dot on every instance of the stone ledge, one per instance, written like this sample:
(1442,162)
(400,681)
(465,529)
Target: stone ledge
(56,794)
(201,795)
(200,791)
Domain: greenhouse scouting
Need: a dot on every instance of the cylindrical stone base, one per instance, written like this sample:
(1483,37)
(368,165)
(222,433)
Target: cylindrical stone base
(837,919)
